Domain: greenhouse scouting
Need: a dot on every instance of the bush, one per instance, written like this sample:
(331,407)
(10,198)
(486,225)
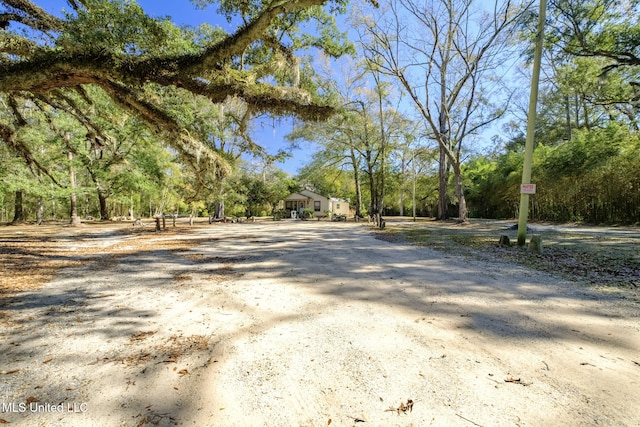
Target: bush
(280,214)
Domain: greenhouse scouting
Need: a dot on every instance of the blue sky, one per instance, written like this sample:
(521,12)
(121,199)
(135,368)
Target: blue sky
(266,132)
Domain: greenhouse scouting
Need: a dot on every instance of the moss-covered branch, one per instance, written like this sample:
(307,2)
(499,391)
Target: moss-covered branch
(204,161)
(34,16)
(9,136)
(203,74)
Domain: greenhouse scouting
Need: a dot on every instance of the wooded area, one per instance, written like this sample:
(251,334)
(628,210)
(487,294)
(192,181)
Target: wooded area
(413,108)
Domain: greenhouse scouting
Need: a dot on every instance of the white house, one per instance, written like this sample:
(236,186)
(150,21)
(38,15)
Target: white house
(306,199)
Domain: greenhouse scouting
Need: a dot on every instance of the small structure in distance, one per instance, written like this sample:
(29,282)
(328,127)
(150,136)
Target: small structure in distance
(321,205)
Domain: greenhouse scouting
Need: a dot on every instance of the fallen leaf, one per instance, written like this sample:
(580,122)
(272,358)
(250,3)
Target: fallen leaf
(329,422)
(141,336)
(175,388)
(11,372)
(516,381)
(183,372)
(48,360)
(4,421)
(32,399)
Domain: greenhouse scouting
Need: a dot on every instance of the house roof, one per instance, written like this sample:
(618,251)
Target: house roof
(296,196)
(308,194)
(304,195)
(313,193)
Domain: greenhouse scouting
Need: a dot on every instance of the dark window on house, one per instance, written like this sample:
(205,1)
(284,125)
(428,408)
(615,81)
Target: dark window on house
(337,206)
(316,206)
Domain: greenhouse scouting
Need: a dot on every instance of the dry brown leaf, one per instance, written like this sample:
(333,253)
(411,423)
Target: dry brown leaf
(142,335)
(11,372)
(516,381)
(404,407)
(183,372)
(32,399)
(4,421)
(48,360)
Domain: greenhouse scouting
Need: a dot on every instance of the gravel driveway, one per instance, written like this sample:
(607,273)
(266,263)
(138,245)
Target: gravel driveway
(299,323)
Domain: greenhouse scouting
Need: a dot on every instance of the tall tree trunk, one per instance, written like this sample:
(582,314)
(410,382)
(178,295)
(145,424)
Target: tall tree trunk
(413,192)
(567,112)
(104,210)
(463,212)
(73,212)
(356,178)
(442,186)
(443,169)
(403,174)
(18,213)
(585,108)
(132,215)
(219,212)
(383,146)
(191,216)
(40,211)
(373,191)
(74,219)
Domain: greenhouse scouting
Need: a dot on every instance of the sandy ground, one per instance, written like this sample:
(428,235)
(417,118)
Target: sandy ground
(313,324)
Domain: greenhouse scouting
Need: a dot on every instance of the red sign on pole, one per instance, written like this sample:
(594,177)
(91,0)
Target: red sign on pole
(527,189)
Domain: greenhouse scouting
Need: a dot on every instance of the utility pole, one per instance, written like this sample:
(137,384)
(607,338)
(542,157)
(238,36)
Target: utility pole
(531,126)
(413,192)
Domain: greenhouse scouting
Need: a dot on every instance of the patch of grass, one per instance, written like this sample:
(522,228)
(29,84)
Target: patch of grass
(600,257)
(456,241)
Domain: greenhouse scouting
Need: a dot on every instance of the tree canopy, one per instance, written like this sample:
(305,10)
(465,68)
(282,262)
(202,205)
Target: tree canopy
(104,100)
(137,60)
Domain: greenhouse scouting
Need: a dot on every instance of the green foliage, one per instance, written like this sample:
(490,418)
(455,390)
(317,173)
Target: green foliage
(327,177)
(260,191)
(586,151)
(121,27)
(594,177)
(138,85)
(587,27)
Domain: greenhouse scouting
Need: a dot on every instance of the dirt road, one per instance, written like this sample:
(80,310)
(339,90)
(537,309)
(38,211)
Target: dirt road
(313,324)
